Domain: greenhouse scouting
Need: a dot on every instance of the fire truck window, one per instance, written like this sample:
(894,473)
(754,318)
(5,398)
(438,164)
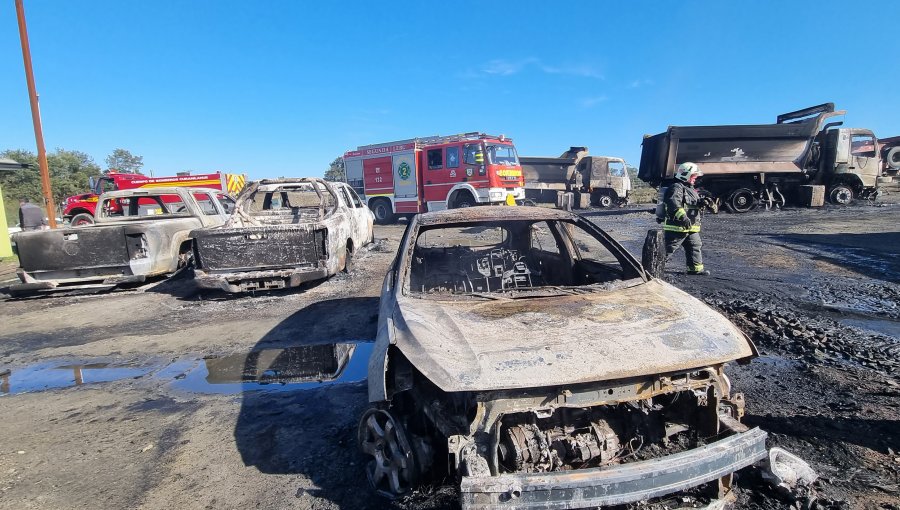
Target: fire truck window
(452,157)
(862,146)
(107,185)
(435,159)
(471,151)
(502,154)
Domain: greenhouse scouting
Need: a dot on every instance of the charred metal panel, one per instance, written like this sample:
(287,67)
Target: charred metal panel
(51,250)
(260,247)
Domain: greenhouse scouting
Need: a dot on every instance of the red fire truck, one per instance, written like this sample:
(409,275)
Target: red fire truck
(79,209)
(434,173)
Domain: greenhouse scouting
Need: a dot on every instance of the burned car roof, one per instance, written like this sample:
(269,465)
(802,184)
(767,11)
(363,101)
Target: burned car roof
(488,214)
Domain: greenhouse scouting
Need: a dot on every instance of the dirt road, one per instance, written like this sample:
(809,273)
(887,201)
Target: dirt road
(135,399)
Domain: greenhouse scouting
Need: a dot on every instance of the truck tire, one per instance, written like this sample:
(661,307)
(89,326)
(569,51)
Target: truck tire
(81,220)
(741,200)
(840,195)
(893,158)
(382,210)
(603,200)
(463,199)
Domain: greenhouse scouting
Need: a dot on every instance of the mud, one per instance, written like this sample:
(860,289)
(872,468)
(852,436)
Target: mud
(821,305)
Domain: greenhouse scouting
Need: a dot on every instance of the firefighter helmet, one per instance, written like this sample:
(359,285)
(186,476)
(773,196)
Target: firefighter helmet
(686,170)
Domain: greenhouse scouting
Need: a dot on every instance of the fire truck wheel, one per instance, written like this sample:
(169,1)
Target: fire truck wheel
(463,199)
(381,208)
(81,220)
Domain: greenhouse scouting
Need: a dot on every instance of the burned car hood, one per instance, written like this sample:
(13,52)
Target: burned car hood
(477,345)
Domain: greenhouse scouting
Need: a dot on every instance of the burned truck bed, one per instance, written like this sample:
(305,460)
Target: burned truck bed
(282,233)
(147,238)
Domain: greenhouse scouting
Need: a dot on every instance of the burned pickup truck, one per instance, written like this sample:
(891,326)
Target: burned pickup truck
(138,233)
(282,233)
(531,355)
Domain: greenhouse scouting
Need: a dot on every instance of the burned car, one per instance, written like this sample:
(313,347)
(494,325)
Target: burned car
(283,232)
(527,353)
(138,233)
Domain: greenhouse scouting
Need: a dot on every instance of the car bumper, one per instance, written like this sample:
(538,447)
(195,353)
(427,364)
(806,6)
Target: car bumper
(31,285)
(248,281)
(616,485)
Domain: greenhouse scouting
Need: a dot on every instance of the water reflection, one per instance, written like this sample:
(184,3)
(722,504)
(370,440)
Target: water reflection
(46,376)
(292,368)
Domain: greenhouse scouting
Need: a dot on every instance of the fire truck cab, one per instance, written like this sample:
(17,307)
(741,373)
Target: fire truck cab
(434,173)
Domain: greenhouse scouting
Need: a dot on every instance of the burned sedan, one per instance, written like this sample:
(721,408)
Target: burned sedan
(282,233)
(138,233)
(527,353)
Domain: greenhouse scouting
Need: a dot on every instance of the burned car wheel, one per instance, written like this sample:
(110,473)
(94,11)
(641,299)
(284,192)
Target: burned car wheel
(393,470)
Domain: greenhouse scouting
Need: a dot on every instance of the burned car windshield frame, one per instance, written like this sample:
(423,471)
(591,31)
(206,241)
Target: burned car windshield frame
(631,272)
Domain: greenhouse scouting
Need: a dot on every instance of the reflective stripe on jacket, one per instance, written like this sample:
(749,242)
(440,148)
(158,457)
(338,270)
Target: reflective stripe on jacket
(681,201)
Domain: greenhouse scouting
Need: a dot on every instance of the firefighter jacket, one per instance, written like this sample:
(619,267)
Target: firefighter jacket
(684,209)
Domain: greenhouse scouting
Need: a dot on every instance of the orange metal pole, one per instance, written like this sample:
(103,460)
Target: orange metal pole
(36,117)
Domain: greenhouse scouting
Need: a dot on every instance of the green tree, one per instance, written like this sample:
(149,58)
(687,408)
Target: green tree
(124,161)
(335,170)
(69,174)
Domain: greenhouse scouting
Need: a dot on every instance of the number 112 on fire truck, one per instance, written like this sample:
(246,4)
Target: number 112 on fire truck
(434,173)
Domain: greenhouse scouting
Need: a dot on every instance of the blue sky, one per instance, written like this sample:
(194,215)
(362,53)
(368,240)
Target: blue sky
(275,88)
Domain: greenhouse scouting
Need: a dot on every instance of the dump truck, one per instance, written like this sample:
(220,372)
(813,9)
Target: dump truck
(745,166)
(604,178)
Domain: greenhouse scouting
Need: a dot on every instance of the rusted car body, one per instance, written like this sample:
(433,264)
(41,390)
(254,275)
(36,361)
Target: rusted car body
(534,352)
(147,236)
(282,233)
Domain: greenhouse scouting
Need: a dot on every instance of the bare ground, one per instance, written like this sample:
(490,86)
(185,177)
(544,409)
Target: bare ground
(817,290)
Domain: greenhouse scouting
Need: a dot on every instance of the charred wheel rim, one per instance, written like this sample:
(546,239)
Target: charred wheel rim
(393,470)
(841,195)
(741,200)
(604,201)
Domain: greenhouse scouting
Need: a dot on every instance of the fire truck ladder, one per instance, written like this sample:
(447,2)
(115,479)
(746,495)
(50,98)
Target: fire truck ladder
(474,135)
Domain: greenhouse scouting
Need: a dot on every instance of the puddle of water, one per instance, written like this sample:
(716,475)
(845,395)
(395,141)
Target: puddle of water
(294,368)
(288,369)
(50,375)
(885,327)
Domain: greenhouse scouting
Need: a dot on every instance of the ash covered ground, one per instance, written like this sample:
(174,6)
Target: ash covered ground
(126,399)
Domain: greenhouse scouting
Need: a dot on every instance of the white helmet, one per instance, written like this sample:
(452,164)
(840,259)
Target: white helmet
(686,170)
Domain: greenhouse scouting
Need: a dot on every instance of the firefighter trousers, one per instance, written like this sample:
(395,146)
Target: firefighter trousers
(692,244)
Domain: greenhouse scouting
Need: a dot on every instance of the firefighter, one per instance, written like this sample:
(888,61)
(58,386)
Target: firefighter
(683,212)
